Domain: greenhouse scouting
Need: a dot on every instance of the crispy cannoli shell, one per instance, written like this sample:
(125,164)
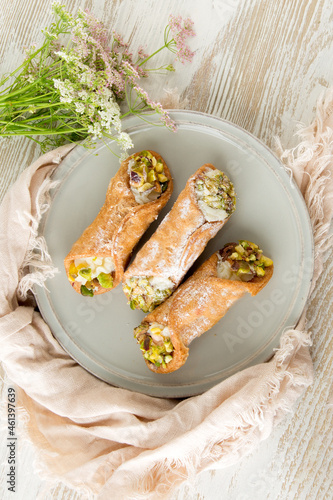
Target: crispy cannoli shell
(179,240)
(119,224)
(197,306)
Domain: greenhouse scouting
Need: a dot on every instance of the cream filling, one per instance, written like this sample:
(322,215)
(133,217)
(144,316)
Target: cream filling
(161,348)
(210,214)
(142,197)
(158,337)
(97,265)
(149,285)
(225,272)
(160,283)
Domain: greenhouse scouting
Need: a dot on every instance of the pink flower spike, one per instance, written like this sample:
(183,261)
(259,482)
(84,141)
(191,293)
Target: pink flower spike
(118,38)
(181,30)
(141,53)
(156,106)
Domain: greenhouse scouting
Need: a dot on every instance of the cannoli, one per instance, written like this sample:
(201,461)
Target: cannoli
(135,196)
(200,302)
(201,210)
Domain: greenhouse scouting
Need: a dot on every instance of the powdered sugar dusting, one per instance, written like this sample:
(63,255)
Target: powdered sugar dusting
(166,249)
(196,329)
(104,242)
(178,241)
(184,207)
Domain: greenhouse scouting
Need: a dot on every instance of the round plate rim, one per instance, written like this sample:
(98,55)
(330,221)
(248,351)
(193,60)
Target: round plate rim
(185,390)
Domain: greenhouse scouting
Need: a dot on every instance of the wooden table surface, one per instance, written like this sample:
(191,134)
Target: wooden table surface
(261,64)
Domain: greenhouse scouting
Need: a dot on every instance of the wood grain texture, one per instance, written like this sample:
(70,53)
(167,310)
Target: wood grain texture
(262,65)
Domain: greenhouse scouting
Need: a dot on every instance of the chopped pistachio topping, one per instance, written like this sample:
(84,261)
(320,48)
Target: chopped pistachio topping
(155,343)
(86,291)
(147,292)
(91,273)
(105,280)
(85,273)
(216,195)
(245,261)
(147,177)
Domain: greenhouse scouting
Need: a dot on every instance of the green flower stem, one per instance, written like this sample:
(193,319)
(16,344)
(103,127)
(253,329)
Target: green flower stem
(43,113)
(109,136)
(160,69)
(51,70)
(48,131)
(125,114)
(35,105)
(42,119)
(28,120)
(19,91)
(18,69)
(152,55)
(166,45)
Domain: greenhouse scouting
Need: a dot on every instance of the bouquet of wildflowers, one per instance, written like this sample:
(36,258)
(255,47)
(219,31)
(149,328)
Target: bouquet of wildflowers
(79,84)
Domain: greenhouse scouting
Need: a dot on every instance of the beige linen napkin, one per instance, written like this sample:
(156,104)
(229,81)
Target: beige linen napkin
(119,444)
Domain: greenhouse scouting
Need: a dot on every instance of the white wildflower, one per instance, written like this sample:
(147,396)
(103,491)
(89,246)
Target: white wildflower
(68,57)
(96,99)
(62,13)
(66,99)
(49,35)
(117,123)
(80,107)
(86,77)
(95,130)
(106,119)
(66,90)
(106,92)
(90,111)
(125,141)
(79,29)
(113,106)
(83,94)
(123,157)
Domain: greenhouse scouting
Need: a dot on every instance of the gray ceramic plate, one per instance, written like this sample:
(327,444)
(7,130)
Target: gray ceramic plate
(98,331)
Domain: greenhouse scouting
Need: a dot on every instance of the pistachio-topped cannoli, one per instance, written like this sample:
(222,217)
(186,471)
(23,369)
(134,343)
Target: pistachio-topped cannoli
(200,211)
(135,196)
(216,195)
(200,302)
(148,179)
(242,261)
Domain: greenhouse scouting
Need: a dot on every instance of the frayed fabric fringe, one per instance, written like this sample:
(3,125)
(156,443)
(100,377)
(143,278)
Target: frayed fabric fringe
(37,256)
(312,160)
